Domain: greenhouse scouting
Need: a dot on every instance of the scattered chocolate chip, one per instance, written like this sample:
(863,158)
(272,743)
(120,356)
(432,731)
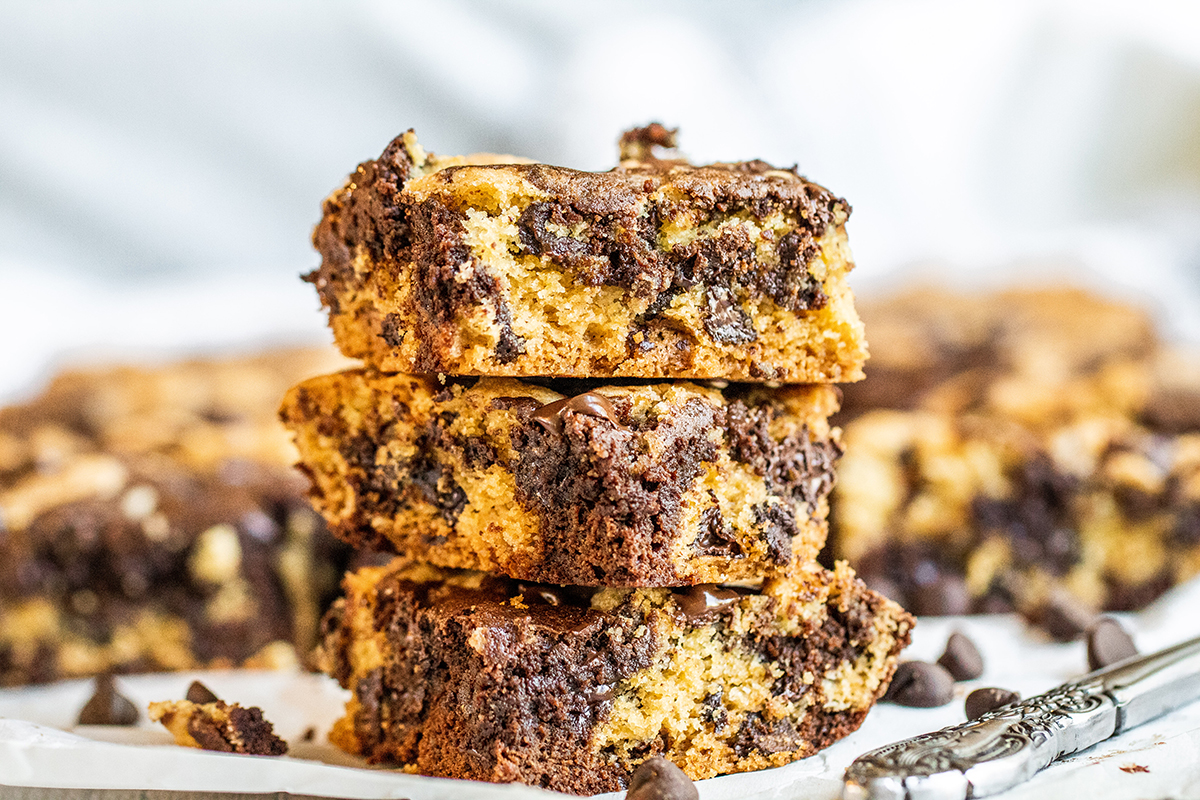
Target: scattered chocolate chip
(1063,617)
(659,779)
(199,694)
(1108,643)
(981,701)
(945,596)
(961,659)
(310,733)
(704,600)
(107,706)
(919,684)
(550,416)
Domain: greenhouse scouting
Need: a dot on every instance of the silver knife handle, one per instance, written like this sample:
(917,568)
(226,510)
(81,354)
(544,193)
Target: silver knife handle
(1152,685)
(1009,745)
(996,751)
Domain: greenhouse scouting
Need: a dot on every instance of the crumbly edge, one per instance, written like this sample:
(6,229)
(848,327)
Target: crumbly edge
(217,726)
(466,517)
(670,705)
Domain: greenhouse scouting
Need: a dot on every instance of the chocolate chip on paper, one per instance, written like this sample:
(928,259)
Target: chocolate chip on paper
(1063,617)
(107,706)
(981,701)
(947,595)
(199,694)
(1108,643)
(919,684)
(961,658)
(659,779)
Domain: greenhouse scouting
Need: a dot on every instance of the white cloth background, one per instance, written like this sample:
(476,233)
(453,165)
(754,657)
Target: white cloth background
(161,165)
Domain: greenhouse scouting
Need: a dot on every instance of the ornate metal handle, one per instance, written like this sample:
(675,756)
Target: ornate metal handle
(1010,745)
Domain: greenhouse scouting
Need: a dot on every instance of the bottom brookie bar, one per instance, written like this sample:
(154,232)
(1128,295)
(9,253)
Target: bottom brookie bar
(459,674)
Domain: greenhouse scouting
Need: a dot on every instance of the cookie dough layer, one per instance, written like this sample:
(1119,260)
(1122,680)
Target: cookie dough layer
(464,675)
(571,482)
(150,520)
(656,269)
(1101,507)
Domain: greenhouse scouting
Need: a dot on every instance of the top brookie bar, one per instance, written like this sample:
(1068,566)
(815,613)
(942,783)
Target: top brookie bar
(656,269)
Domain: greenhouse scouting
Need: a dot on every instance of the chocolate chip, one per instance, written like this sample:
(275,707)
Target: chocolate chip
(945,596)
(1108,643)
(981,701)
(200,694)
(659,779)
(107,706)
(919,684)
(1063,617)
(961,659)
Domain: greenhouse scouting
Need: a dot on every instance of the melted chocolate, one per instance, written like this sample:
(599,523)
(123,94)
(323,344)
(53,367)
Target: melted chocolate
(550,416)
(704,600)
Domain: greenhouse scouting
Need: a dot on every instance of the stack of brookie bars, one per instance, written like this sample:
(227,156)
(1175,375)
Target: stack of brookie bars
(607,519)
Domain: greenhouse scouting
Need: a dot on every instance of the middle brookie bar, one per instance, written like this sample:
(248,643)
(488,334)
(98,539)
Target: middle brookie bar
(467,675)
(571,482)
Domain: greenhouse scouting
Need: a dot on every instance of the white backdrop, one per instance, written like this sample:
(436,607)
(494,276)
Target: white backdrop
(161,165)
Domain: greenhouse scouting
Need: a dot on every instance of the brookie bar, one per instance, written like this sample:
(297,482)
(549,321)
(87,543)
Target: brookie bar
(150,520)
(568,481)
(461,674)
(656,269)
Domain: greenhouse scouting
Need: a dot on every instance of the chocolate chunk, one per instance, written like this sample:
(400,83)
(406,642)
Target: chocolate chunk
(1108,643)
(944,596)
(107,706)
(919,684)
(200,694)
(961,659)
(639,143)
(589,403)
(716,537)
(725,321)
(981,701)
(1063,617)
(1174,409)
(659,779)
(704,600)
